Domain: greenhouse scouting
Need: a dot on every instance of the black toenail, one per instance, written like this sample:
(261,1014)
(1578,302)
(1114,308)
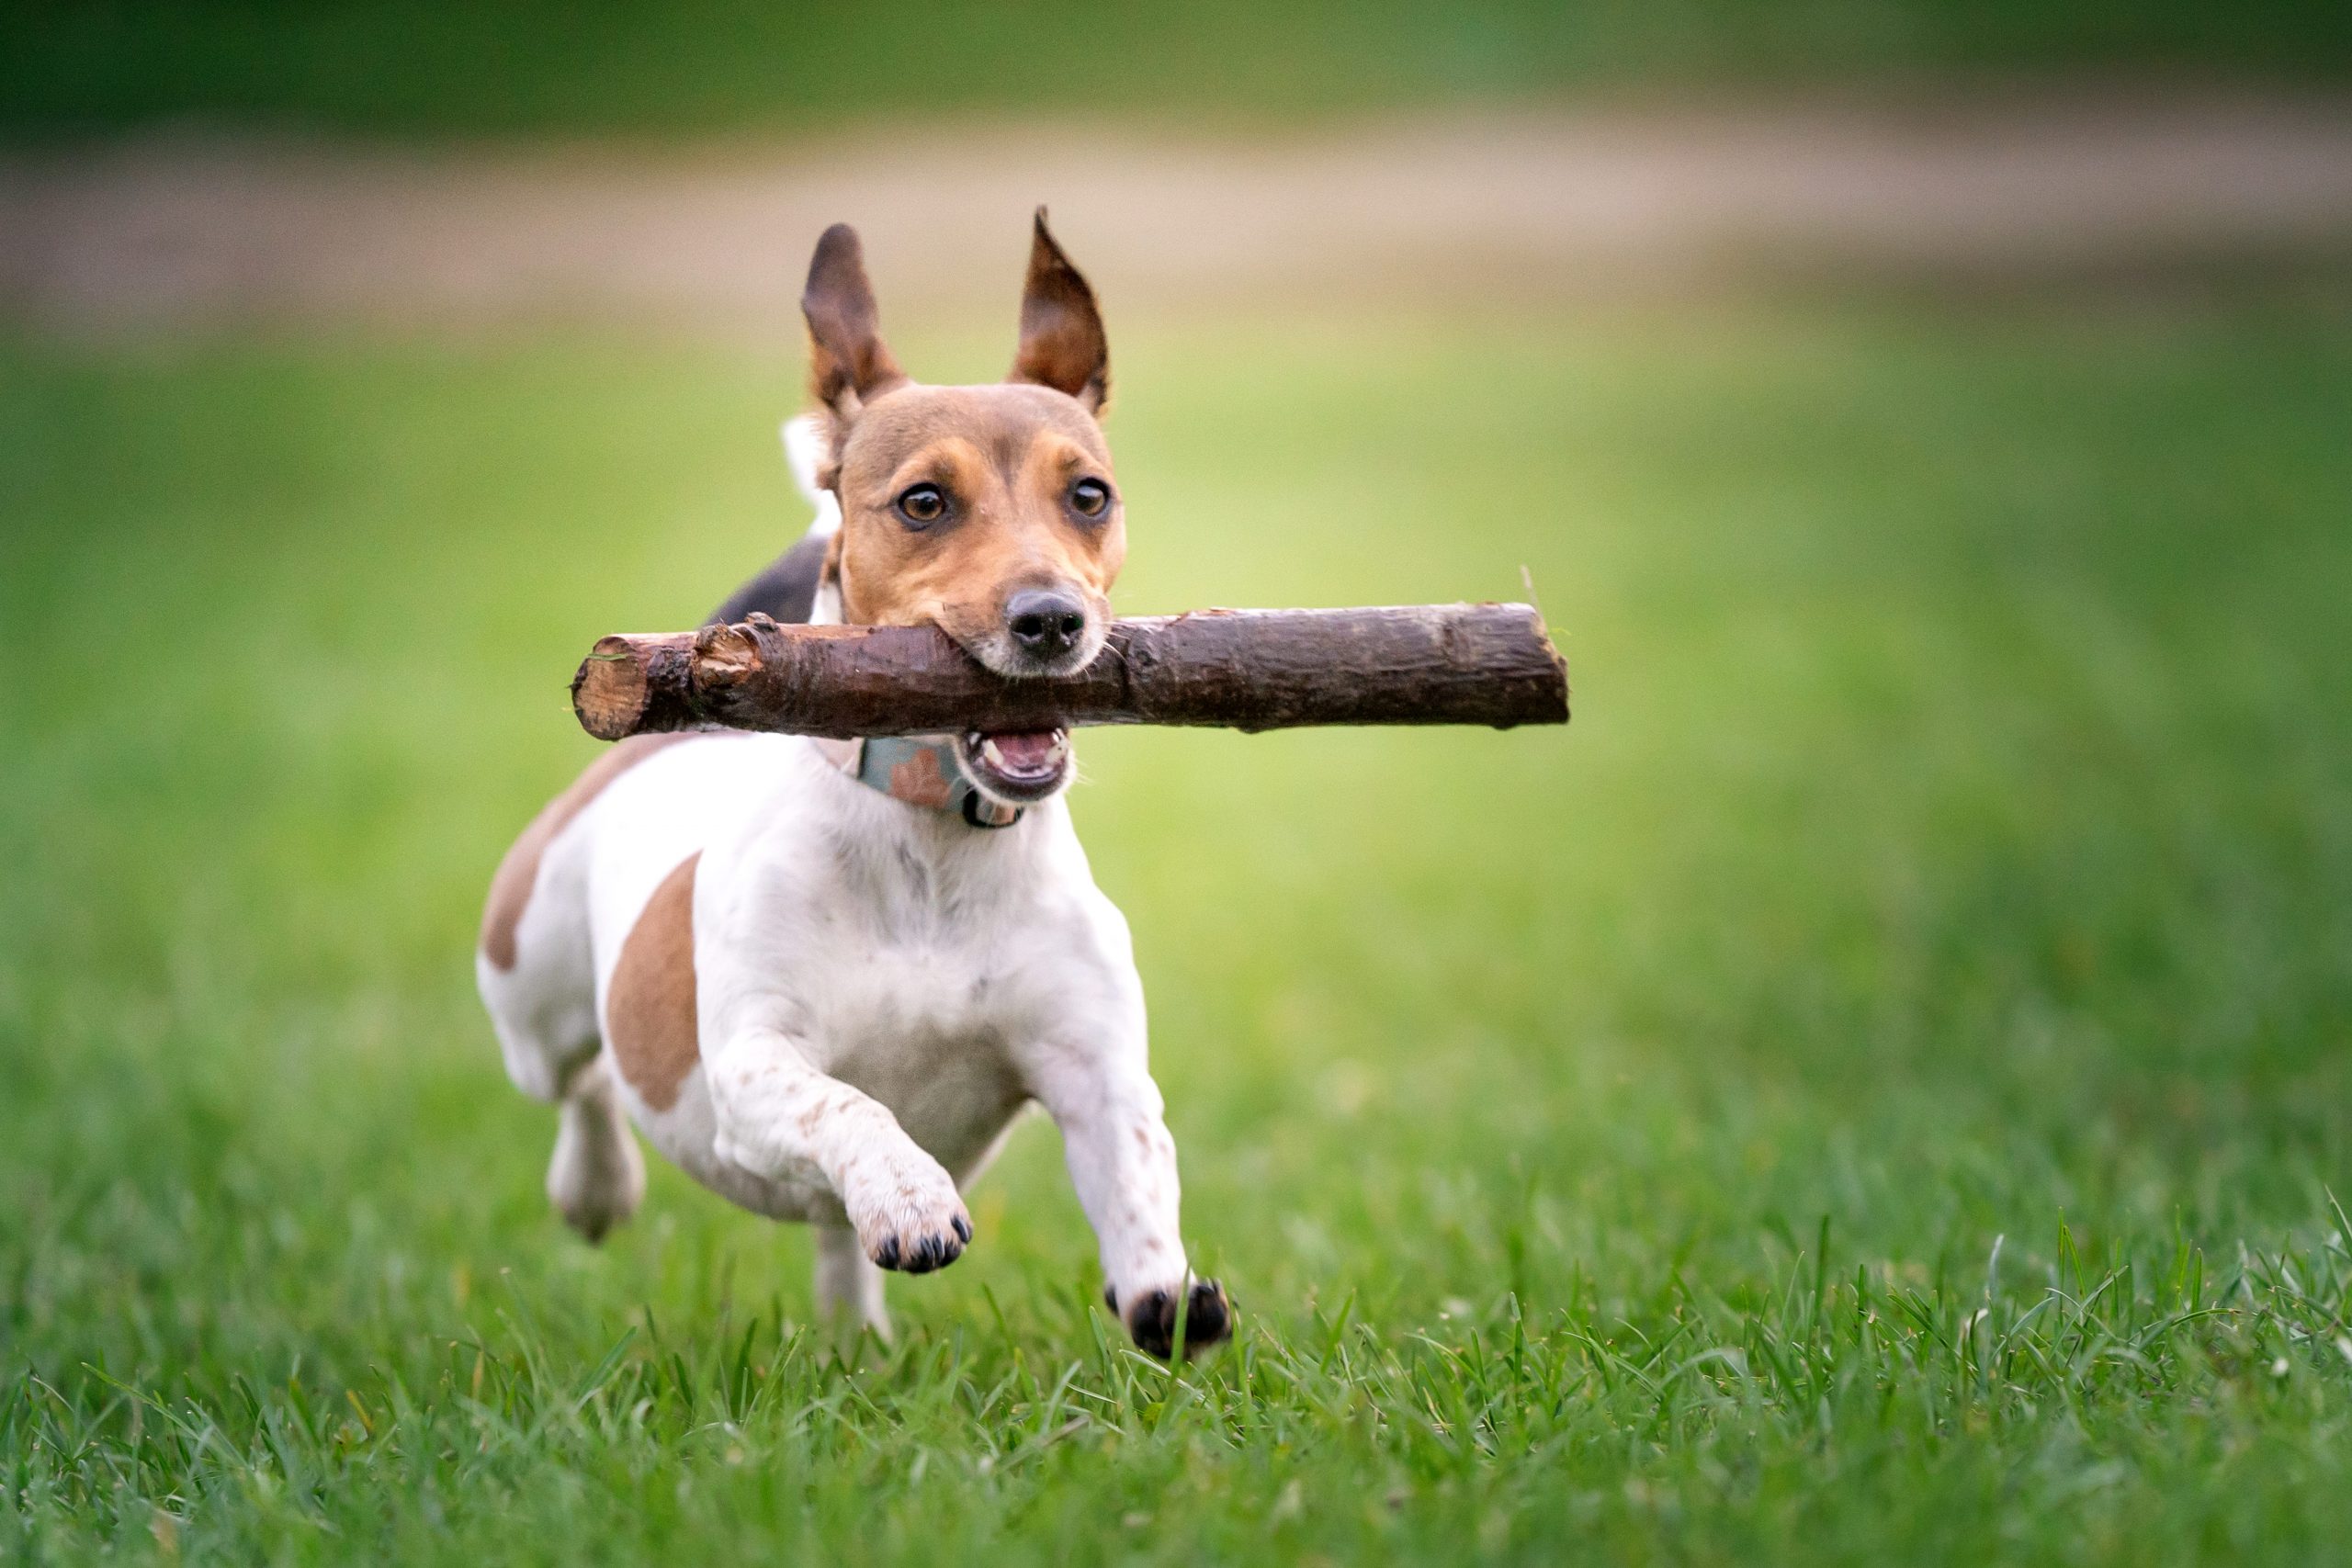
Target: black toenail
(886,1254)
(963,1228)
(1207,1318)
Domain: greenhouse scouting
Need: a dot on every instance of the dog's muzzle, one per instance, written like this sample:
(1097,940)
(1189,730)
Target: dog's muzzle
(1045,633)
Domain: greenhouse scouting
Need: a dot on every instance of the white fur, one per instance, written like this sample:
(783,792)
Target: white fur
(881,989)
(803,453)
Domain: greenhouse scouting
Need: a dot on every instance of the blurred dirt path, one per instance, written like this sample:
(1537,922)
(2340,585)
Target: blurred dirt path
(186,231)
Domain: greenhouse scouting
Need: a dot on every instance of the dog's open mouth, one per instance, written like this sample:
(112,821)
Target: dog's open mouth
(1019,765)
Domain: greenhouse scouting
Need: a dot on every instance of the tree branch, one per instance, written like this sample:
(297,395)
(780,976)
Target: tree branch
(1249,669)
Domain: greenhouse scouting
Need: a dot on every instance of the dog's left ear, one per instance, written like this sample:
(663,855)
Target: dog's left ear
(1062,345)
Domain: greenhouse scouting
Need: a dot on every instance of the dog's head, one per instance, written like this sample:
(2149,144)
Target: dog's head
(988,511)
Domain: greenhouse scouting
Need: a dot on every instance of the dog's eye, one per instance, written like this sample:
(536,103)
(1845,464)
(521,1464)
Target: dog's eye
(922,505)
(1089,497)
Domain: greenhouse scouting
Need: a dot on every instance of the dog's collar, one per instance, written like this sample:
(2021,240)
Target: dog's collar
(919,771)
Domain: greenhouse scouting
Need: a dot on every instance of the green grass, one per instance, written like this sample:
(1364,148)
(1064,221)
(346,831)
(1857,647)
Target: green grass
(428,67)
(1868,1092)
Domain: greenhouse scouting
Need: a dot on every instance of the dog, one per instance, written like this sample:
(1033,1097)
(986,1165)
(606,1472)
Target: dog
(824,979)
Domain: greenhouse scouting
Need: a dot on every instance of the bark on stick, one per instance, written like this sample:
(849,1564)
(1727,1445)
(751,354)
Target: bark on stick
(1249,670)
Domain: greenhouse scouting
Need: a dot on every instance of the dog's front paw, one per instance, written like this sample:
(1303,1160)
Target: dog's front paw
(1151,1318)
(915,1226)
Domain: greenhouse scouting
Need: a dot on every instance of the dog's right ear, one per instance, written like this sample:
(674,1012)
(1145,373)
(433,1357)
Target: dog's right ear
(848,362)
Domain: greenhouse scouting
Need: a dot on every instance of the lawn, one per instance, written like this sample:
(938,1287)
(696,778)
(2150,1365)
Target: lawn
(1870,1090)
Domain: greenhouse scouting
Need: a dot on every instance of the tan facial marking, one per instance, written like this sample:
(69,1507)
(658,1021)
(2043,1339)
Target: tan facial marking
(1006,456)
(510,889)
(650,1009)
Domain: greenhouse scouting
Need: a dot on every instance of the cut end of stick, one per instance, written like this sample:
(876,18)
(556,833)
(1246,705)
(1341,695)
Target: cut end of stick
(609,692)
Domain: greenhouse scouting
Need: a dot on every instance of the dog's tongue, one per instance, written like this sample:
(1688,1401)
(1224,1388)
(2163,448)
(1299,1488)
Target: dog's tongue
(1036,751)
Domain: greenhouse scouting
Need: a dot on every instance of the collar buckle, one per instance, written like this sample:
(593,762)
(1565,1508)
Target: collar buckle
(974,803)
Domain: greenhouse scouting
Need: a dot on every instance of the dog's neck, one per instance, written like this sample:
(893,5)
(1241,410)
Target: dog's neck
(919,770)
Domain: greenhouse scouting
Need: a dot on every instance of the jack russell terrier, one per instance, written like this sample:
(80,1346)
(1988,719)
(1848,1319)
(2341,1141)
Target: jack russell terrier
(823,977)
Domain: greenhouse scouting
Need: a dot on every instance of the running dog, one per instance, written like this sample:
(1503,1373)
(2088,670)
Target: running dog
(824,977)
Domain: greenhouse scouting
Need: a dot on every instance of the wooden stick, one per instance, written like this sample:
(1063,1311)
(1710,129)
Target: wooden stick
(1249,670)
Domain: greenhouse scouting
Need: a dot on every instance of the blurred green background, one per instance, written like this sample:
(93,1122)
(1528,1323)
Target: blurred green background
(1874,1088)
(418,67)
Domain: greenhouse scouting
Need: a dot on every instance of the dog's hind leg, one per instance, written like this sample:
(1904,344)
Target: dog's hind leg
(537,980)
(547,1034)
(849,1284)
(597,1176)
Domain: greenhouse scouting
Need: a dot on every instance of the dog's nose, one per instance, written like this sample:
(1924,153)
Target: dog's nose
(1045,622)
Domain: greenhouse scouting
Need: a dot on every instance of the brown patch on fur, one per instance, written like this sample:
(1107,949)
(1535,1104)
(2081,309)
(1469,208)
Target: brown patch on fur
(650,1009)
(510,888)
(1006,457)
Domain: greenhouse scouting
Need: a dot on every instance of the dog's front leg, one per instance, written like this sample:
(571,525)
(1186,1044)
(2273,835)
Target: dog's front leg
(1123,1162)
(780,1118)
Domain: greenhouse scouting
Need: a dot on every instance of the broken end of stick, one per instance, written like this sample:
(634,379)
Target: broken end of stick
(1551,697)
(725,654)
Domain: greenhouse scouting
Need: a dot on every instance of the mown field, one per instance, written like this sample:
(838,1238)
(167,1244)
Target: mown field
(1869,1092)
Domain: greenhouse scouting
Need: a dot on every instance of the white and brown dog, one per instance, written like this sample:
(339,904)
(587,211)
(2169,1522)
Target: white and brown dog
(824,977)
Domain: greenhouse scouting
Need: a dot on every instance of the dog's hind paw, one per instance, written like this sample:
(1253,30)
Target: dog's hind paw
(1151,1318)
(596,1179)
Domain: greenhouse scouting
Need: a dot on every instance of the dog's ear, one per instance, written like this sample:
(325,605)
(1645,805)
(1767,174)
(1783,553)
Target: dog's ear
(1062,345)
(848,362)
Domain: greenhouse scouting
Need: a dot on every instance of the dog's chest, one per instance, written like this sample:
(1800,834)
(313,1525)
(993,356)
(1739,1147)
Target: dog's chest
(919,993)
